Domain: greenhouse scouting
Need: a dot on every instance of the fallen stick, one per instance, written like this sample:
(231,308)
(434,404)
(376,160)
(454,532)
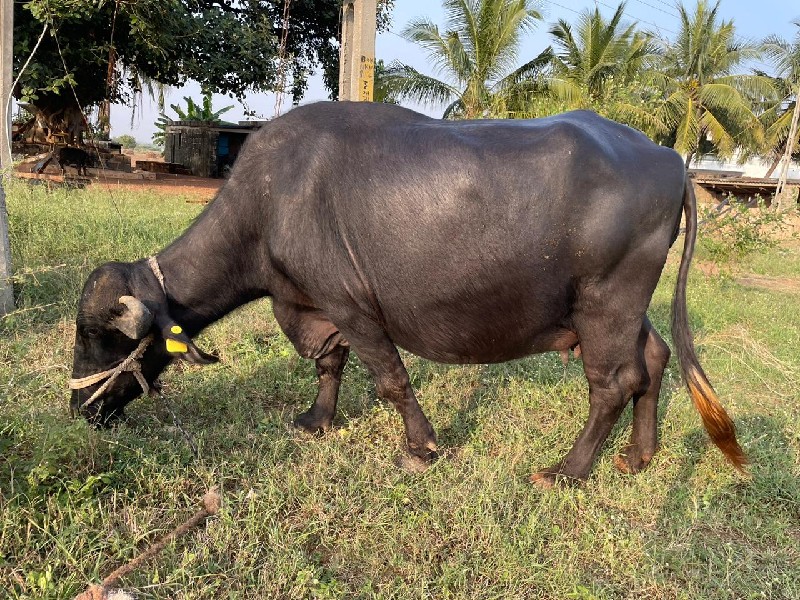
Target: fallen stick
(211,505)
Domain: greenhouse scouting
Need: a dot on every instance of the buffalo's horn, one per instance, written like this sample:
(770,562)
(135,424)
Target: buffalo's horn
(136,320)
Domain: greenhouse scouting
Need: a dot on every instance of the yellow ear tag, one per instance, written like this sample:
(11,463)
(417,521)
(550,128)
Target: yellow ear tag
(176,346)
(176,329)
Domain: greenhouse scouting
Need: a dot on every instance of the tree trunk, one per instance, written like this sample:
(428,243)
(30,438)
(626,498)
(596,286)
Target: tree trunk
(104,120)
(773,166)
(782,200)
(58,121)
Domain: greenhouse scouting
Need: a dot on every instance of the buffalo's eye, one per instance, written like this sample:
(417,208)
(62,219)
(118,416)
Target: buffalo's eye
(91,332)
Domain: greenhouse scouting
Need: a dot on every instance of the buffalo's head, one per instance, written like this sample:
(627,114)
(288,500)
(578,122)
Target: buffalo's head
(121,305)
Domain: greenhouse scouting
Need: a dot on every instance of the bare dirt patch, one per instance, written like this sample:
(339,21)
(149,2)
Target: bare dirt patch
(707,268)
(788,234)
(776,284)
(198,189)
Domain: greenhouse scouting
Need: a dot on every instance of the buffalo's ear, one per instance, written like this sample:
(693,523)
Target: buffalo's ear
(135,320)
(181,345)
(197,357)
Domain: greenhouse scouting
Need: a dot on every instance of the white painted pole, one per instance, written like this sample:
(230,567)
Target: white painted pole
(6,74)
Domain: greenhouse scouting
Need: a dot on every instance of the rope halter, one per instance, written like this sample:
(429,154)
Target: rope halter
(130,364)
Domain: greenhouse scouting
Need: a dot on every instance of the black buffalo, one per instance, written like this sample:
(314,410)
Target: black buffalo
(373,227)
(74,157)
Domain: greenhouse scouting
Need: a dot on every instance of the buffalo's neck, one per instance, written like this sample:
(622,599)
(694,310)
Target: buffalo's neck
(216,265)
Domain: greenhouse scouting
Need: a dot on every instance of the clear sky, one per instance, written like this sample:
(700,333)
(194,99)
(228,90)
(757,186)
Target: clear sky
(754,19)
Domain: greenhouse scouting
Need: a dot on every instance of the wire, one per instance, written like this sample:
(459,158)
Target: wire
(565,7)
(632,16)
(666,12)
(19,76)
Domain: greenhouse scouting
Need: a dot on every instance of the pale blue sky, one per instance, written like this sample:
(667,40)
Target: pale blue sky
(754,19)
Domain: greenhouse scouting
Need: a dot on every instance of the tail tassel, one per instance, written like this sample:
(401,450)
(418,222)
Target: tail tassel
(719,425)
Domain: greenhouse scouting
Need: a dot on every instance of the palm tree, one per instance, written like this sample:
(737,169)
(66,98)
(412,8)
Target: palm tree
(476,55)
(704,100)
(604,65)
(786,58)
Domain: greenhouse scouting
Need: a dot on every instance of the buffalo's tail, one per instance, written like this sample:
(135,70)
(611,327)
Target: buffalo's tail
(719,425)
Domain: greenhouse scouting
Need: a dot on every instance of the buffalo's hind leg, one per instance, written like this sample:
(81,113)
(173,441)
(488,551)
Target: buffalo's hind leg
(644,437)
(615,372)
(314,336)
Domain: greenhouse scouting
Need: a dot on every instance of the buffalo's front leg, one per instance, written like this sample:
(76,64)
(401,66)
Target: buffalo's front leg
(314,336)
(319,417)
(380,356)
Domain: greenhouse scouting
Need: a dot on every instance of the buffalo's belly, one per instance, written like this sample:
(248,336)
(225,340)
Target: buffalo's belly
(458,335)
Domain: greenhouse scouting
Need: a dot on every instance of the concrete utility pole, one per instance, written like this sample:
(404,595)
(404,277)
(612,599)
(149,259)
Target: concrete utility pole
(6,74)
(357,53)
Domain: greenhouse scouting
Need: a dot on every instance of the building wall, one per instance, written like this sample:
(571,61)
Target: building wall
(194,145)
(751,168)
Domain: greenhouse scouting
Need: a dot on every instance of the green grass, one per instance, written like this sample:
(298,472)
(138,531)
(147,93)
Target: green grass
(332,517)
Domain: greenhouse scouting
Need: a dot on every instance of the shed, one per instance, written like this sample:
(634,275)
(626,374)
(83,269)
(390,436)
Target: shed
(206,149)
(713,187)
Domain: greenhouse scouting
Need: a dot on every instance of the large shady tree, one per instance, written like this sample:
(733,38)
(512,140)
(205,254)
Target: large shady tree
(101,50)
(475,56)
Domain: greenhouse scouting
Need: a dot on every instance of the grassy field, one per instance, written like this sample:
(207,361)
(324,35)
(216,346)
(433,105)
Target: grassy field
(332,517)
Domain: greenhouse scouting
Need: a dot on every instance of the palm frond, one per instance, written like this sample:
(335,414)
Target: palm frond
(637,116)
(406,82)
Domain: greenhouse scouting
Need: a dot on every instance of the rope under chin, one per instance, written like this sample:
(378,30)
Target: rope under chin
(130,364)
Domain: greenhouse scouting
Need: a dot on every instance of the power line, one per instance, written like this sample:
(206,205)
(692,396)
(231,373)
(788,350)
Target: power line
(396,34)
(632,16)
(666,12)
(565,7)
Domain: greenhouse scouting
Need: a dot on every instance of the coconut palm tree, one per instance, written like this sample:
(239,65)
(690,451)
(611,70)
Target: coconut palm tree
(785,56)
(475,56)
(704,99)
(604,65)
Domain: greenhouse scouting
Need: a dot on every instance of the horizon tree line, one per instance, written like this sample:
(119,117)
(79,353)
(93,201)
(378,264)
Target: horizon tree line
(697,93)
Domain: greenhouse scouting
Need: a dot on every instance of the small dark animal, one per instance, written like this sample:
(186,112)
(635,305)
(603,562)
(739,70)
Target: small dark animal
(74,157)
(373,227)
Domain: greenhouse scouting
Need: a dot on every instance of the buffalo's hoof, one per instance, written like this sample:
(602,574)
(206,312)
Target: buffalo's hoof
(308,423)
(549,478)
(418,460)
(632,460)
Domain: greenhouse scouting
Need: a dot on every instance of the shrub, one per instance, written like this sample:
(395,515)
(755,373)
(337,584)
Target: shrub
(736,229)
(127,141)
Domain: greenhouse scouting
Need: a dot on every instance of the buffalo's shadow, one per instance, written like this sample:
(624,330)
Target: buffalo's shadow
(277,387)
